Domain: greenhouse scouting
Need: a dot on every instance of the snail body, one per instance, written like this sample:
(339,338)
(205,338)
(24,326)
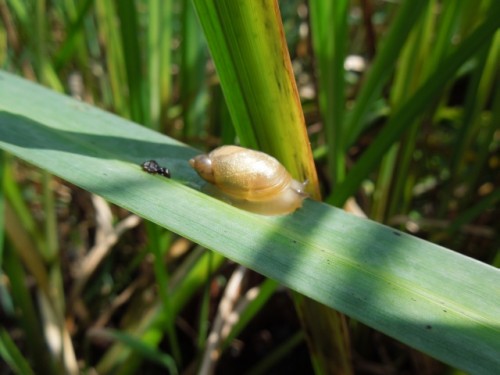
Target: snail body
(250,180)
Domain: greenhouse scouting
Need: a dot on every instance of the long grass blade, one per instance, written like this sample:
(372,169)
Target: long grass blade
(418,292)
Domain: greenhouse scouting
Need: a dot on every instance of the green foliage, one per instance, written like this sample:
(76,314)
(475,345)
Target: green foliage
(412,135)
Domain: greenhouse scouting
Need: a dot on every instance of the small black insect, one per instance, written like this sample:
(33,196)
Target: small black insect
(152,167)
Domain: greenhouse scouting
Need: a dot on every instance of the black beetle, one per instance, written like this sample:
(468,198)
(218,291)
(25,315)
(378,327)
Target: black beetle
(152,167)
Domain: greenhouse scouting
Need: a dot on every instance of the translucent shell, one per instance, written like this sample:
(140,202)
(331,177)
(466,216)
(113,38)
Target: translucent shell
(250,180)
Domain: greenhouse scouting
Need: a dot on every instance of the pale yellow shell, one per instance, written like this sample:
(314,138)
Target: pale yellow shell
(250,180)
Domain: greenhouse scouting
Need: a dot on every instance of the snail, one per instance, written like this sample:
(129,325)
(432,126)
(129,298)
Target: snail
(251,180)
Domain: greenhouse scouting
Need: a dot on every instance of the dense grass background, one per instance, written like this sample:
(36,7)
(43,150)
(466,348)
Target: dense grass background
(402,107)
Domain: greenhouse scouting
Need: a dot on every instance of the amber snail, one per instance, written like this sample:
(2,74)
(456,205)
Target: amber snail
(251,180)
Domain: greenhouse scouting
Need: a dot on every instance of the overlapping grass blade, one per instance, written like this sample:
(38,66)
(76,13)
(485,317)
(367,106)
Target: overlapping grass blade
(423,97)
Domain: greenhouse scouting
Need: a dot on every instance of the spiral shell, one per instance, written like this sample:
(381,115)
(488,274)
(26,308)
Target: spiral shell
(250,180)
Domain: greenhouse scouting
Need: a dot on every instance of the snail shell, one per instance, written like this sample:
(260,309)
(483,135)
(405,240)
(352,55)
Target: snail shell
(250,180)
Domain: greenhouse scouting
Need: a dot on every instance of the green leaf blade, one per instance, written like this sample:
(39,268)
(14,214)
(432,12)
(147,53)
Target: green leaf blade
(431,298)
